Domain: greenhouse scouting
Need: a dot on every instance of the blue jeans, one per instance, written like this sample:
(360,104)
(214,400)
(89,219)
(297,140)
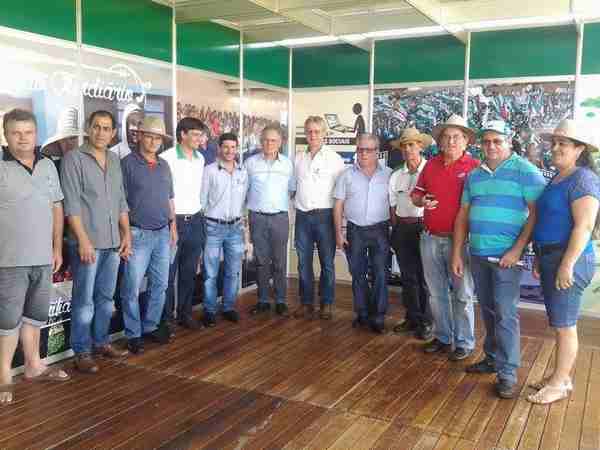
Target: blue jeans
(151,253)
(315,227)
(230,239)
(369,247)
(92,301)
(190,245)
(451,298)
(498,291)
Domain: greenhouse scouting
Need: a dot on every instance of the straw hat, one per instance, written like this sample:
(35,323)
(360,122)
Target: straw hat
(412,135)
(155,125)
(66,127)
(570,129)
(454,121)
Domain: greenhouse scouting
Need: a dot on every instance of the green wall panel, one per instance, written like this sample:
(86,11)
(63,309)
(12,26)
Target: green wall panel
(333,65)
(267,65)
(209,46)
(56,18)
(591,49)
(436,58)
(139,27)
(543,51)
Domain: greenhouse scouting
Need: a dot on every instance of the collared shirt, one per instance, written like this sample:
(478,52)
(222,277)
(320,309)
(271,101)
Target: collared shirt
(224,193)
(366,200)
(445,182)
(27,197)
(498,204)
(316,177)
(149,190)
(402,182)
(187,179)
(270,183)
(94,194)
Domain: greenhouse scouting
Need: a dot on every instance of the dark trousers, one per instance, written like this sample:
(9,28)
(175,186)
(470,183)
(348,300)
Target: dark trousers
(192,235)
(315,227)
(269,234)
(415,297)
(369,246)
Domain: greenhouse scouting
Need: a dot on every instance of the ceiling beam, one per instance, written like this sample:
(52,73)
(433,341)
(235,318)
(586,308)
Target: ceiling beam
(441,15)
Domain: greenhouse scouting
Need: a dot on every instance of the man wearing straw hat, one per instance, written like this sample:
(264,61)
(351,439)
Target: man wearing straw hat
(498,212)
(407,222)
(149,189)
(438,190)
(67,134)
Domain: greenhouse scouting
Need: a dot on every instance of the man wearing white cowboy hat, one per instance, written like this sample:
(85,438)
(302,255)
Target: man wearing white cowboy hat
(498,212)
(149,188)
(66,136)
(407,222)
(438,190)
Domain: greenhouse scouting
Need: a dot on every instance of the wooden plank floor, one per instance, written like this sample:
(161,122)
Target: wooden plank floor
(273,383)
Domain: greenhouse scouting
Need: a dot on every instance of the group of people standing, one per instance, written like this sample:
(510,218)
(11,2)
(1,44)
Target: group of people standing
(459,228)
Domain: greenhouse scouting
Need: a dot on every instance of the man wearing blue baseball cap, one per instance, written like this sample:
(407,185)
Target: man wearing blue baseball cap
(498,213)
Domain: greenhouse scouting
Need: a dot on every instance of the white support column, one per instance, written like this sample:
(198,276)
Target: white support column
(79,37)
(577,96)
(291,140)
(465,110)
(371,85)
(241,93)
(174,92)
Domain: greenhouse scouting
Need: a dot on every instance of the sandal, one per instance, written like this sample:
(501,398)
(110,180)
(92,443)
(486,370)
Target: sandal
(7,389)
(50,374)
(549,394)
(538,385)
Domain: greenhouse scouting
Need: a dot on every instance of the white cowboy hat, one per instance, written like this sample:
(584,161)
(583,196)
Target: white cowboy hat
(67,126)
(412,135)
(454,121)
(570,129)
(155,125)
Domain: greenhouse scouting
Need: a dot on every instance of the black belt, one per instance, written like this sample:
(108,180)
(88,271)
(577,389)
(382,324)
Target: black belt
(269,214)
(317,211)
(384,224)
(546,249)
(224,222)
(148,229)
(188,217)
(408,220)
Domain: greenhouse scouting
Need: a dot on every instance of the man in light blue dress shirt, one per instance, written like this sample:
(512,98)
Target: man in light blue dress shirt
(223,195)
(271,181)
(361,195)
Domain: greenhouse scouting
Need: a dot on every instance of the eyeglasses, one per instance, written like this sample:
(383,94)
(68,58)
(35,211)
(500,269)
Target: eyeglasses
(489,142)
(452,137)
(365,150)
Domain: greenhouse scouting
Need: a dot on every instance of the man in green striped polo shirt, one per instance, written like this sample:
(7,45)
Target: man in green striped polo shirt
(498,213)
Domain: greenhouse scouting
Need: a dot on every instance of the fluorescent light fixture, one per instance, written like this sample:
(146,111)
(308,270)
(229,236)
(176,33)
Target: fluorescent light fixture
(309,41)
(263,44)
(406,32)
(353,37)
(519,21)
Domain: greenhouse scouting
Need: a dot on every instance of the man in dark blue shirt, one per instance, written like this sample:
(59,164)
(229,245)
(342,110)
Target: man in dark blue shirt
(149,189)
(207,148)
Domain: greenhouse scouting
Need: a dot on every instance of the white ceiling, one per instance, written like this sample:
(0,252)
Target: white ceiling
(276,20)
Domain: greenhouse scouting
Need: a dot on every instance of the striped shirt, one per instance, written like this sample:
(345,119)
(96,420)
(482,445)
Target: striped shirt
(498,202)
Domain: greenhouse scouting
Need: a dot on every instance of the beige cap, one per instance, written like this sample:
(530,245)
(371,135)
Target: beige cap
(569,128)
(454,121)
(153,124)
(412,135)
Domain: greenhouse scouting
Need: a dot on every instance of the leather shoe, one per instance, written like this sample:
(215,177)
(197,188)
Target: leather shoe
(505,389)
(161,335)
(424,332)
(85,363)
(483,366)
(436,346)
(136,346)
(460,353)
(209,320)
(360,322)
(190,323)
(231,315)
(305,312)
(260,307)
(405,326)
(108,351)
(282,310)
(377,327)
(326,312)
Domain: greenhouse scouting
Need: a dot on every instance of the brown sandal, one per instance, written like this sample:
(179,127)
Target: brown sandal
(539,385)
(50,374)
(7,389)
(549,394)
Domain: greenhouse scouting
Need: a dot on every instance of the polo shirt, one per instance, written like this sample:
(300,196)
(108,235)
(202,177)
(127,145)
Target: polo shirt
(187,179)
(402,182)
(149,190)
(366,200)
(270,183)
(224,194)
(446,183)
(498,202)
(316,177)
(94,194)
(27,199)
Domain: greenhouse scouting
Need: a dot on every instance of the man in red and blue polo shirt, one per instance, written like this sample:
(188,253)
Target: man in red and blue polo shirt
(439,191)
